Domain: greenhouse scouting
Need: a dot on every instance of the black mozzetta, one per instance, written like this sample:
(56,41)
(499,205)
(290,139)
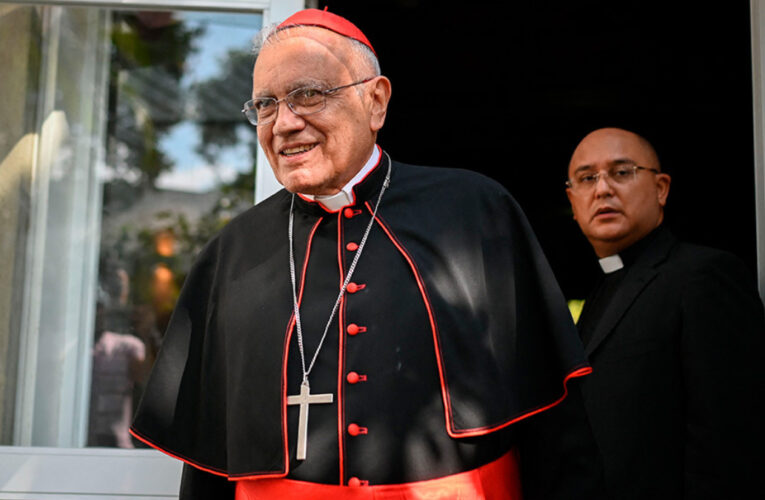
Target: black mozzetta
(455,329)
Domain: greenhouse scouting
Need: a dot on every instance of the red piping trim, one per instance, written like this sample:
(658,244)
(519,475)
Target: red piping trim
(231,477)
(431,317)
(322,205)
(340,351)
(286,351)
(481,431)
(379,160)
(175,455)
(450,427)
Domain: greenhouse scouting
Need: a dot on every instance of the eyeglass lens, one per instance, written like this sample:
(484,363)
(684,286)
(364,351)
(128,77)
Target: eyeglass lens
(618,175)
(303,101)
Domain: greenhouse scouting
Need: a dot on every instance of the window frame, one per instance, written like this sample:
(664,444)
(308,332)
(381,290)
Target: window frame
(28,472)
(757,19)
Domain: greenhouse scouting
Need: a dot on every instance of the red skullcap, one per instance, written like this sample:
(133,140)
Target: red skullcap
(327,20)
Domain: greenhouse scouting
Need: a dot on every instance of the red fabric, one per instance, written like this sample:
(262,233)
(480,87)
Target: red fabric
(327,20)
(498,480)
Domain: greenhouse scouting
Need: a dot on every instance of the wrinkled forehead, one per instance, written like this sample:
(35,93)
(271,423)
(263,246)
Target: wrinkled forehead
(301,55)
(307,42)
(298,57)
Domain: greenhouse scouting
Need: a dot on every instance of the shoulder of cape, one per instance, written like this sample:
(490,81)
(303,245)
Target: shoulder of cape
(456,187)
(445,176)
(264,211)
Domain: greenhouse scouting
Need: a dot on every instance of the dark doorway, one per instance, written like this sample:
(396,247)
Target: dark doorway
(508,91)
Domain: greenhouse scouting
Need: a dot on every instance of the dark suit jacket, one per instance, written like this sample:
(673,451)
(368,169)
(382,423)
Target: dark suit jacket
(676,395)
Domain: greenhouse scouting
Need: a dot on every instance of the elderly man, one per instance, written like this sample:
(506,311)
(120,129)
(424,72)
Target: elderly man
(375,329)
(674,332)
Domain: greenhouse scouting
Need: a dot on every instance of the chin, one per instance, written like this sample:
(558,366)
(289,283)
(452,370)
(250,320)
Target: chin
(295,183)
(607,237)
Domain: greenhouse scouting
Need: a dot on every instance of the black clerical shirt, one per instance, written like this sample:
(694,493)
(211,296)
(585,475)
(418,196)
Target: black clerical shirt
(600,298)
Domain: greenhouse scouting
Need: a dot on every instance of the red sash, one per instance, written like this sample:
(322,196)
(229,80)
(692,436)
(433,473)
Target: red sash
(498,480)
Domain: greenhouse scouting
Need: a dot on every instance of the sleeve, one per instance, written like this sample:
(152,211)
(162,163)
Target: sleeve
(199,485)
(723,340)
(559,459)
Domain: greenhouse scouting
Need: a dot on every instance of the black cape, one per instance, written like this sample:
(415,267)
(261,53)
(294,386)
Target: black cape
(459,308)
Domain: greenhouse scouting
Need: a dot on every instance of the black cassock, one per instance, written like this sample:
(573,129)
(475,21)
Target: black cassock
(455,332)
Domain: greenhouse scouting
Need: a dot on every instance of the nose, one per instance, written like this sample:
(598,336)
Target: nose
(603,186)
(286,120)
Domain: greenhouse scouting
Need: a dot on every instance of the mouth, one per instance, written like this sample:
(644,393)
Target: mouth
(296,150)
(605,212)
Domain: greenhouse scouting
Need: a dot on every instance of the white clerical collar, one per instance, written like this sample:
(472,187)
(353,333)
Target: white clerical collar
(335,202)
(611,264)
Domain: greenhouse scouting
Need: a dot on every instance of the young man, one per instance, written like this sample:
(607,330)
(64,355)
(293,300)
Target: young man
(674,332)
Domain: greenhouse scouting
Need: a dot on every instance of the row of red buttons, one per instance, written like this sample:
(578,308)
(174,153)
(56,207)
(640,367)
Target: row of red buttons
(354,329)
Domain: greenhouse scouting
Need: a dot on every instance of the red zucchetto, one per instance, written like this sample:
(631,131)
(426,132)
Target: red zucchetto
(327,20)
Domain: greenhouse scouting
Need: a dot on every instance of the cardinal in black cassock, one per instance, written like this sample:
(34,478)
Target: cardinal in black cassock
(401,338)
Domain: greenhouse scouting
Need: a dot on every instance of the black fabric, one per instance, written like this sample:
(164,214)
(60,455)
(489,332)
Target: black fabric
(605,289)
(558,457)
(677,390)
(199,485)
(597,303)
(494,330)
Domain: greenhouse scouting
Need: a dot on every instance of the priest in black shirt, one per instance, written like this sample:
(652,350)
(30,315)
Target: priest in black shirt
(675,335)
(373,330)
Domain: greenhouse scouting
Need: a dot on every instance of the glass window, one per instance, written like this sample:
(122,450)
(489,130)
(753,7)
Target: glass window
(17,150)
(122,151)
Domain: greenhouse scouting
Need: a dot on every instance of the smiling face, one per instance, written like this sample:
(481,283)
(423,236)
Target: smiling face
(318,153)
(613,217)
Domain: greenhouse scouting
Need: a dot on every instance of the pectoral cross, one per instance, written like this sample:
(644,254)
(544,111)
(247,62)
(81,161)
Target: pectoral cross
(304,399)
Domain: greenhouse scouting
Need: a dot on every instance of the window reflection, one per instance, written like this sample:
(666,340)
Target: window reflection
(179,164)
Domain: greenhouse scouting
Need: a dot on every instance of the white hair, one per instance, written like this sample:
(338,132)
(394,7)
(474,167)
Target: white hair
(363,54)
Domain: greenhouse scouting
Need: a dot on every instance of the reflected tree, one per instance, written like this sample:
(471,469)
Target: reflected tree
(149,53)
(150,58)
(218,105)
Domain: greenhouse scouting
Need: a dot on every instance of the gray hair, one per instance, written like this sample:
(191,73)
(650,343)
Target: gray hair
(363,54)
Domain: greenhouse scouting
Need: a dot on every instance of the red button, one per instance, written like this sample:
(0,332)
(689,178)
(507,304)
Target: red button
(354,287)
(355,430)
(354,378)
(349,212)
(351,247)
(355,482)
(353,329)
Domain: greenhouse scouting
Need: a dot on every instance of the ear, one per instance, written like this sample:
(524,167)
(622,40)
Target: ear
(570,200)
(662,188)
(379,95)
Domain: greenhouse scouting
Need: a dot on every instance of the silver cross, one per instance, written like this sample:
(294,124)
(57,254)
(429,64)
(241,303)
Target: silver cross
(304,399)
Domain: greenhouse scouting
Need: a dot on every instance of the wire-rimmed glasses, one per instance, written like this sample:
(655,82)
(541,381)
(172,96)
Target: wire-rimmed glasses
(302,101)
(586,180)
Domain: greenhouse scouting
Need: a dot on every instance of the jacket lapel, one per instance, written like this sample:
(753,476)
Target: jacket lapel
(639,275)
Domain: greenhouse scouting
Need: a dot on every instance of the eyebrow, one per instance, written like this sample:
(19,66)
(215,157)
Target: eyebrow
(297,84)
(611,163)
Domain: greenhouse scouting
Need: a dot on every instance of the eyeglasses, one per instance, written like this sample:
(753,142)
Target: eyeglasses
(617,176)
(302,101)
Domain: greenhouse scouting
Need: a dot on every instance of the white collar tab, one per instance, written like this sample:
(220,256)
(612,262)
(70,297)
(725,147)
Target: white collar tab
(344,197)
(611,264)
